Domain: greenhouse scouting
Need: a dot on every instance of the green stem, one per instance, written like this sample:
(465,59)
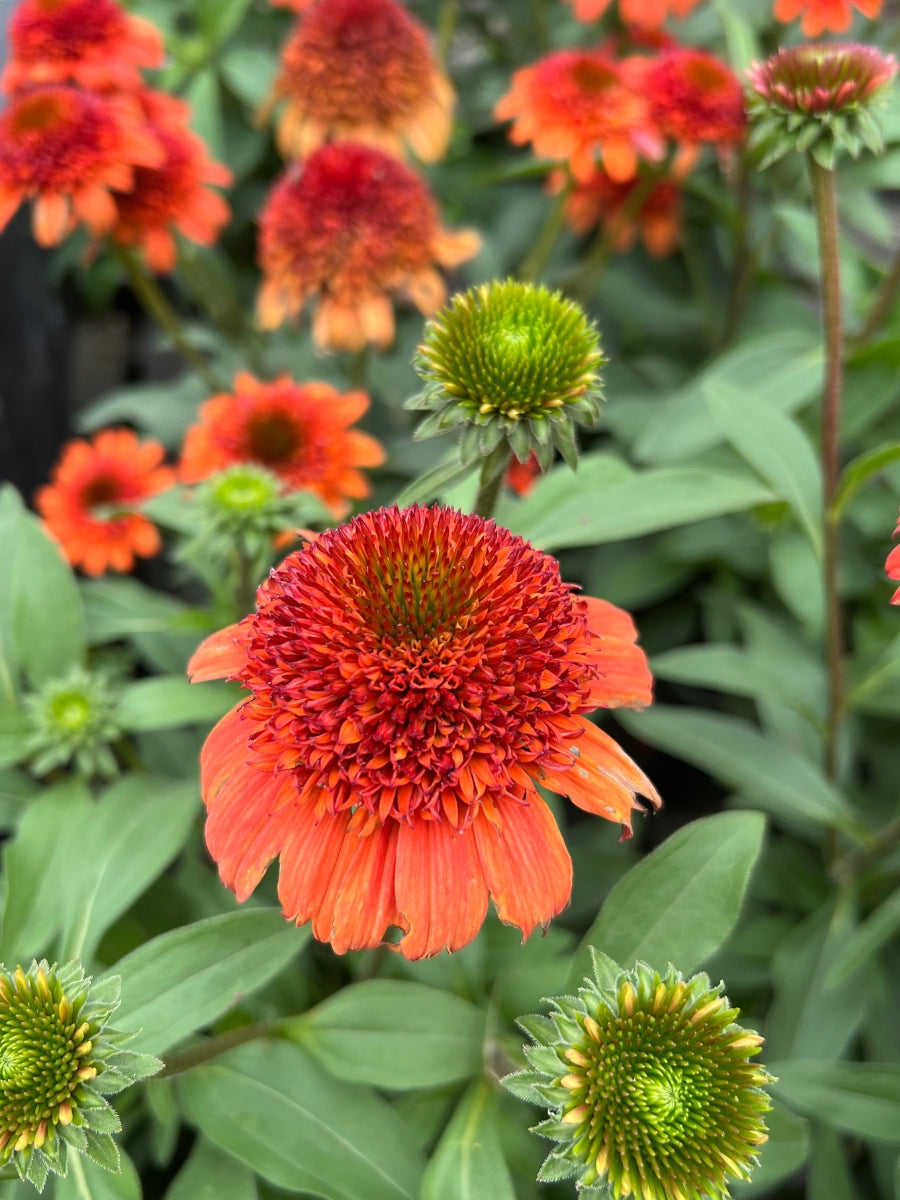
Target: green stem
(541,41)
(493,468)
(445,28)
(537,258)
(882,305)
(825,204)
(212,1047)
(882,844)
(585,283)
(154,302)
(81,1183)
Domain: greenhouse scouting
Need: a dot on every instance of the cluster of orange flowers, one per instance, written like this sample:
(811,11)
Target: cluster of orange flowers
(349,223)
(608,111)
(299,432)
(88,141)
(818,16)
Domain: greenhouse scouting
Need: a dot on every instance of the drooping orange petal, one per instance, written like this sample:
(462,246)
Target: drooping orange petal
(362,899)
(525,863)
(224,751)
(220,656)
(625,680)
(440,887)
(309,857)
(603,780)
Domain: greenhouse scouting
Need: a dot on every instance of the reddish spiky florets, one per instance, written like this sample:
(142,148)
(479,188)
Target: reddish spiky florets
(824,77)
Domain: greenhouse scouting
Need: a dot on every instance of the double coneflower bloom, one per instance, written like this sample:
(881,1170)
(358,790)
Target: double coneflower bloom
(412,677)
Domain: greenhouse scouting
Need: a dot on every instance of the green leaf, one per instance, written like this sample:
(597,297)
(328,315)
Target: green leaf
(273,1108)
(681,902)
(48,620)
(120,608)
(875,932)
(135,830)
(778,778)
(249,71)
(218,19)
(11,511)
(355,1035)
(830,1177)
(776,447)
(722,668)
(101,1184)
(40,869)
(645,502)
(209,1174)
(468,1163)
(859,1097)
(425,487)
(169,700)
(205,99)
(180,981)
(14,730)
(861,469)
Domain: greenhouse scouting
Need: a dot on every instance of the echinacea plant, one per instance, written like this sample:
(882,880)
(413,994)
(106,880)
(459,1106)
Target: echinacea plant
(650,1086)
(58,1062)
(72,724)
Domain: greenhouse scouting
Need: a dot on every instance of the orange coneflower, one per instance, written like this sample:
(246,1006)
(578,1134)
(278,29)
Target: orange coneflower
(576,104)
(626,209)
(89,503)
(694,98)
(69,149)
(413,675)
(300,432)
(353,226)
(521,477)
(173,194)
(822,16)
(892,566)
(647,14)
(362,70)
(91,42)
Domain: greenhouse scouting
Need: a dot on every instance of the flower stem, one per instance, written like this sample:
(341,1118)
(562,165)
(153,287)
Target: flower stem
(445,28)
(155,303)
(825,203)
(882,305)
(493,468)
(536,260)
(212,1047)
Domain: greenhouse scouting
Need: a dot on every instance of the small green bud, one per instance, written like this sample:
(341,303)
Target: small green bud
(73,724)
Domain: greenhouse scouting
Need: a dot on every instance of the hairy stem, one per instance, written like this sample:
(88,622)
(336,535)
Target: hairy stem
(212,1047)
(493,468)
(825,203)
(537,258)
(882,305)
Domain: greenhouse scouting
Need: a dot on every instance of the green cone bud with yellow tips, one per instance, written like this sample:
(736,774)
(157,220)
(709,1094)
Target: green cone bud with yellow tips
(510,362)
(58,1061)
(650,1085)
(73,724)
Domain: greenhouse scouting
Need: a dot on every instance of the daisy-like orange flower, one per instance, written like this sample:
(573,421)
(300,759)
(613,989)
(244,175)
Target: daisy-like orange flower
(822,16)
(576,104)
(413,675)
(362,70)
(353,226)
(300,432)
(89,503)
(68,149)
(173,194)
(628,209)
(892,566)
(94,43)
(646,14)
(695,98)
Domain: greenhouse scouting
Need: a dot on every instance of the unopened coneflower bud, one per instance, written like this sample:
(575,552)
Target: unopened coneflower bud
(650,1086)
(54,1045)
(73,724)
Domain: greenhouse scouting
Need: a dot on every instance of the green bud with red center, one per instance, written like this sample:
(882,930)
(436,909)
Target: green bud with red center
(510,362)
(73,724)
(819,97)
(650,1085)
(58,1061)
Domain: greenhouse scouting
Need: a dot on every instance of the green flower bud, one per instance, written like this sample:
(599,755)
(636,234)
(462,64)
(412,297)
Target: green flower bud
(73,724)
(58,1060)
(510,362)
(650,1087)
(818,97)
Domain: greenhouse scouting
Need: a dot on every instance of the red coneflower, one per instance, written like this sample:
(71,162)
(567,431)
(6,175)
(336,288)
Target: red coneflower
(353,226)
(521,477)
(300,432)
(822,16)
(91,42)
(892,566)
(576,104)
(68,149)
(89,503)
(647,14)
(694,98)
(412,676)
(173,194)
(626,209)
(362,70)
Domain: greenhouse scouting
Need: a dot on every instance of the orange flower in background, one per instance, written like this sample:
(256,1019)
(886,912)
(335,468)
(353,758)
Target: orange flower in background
(648,14)
(68,149)
(694,98)
(296,5)
(413,675)
(822,16)
(627,209)
(521,477)
(362,70)
(91,42)
(173,194)
(353,226)
(576,104)
(89,503)
(892,566)
(300,432)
